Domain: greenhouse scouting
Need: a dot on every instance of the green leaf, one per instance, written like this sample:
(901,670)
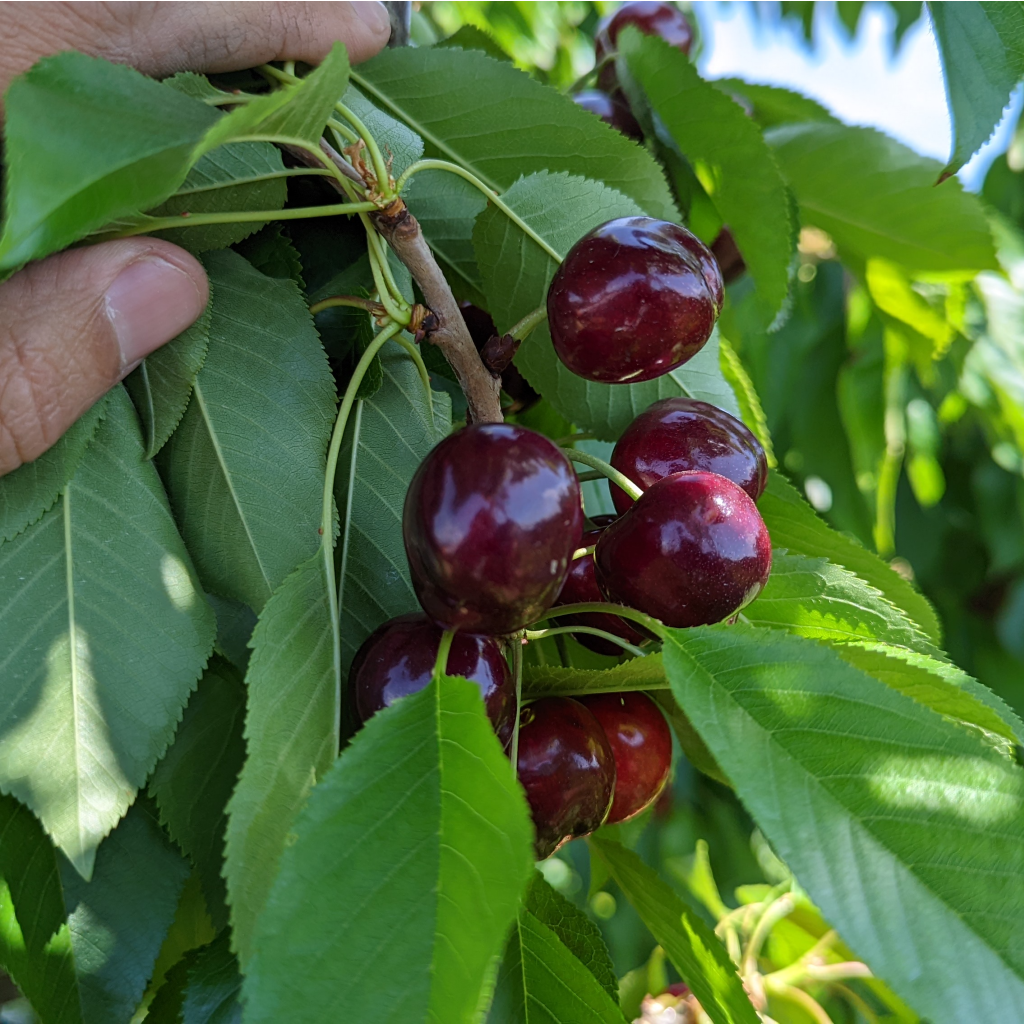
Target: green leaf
(728,154)
(245,467)
(238,176)
(541,982)
(291,734)
(387,438)
(32,488)
(578,933)
(404,876)
(88,141)
(694,747)
(162,385)
(813,597)
(97,594)
(395,138)
(690,944)
(906,830)
(875,197)
(645,673)
(771,105)
(235,623)
(193,782)
(982,51)
(470,37)
(516,272)
(942,687)
(751,411)
(794,525)
(118,921)
(500,124)
(297,111)
(273,253)
(212,986)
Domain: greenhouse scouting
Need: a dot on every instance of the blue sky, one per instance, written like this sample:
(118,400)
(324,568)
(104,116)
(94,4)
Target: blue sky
(858,80)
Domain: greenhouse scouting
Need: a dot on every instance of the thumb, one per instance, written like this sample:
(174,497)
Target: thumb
(73,325)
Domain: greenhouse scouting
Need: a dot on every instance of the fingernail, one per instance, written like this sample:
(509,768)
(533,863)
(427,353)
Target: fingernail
(374,15)
(150,302)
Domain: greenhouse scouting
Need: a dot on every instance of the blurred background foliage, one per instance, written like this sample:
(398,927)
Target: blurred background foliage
(895,399)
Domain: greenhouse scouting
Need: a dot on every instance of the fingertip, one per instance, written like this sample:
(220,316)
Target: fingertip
(368,29)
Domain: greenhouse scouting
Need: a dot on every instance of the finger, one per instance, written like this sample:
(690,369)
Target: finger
(73,325)
(162,38)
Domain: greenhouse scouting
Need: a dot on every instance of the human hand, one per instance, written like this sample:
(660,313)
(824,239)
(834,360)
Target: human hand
(73,325)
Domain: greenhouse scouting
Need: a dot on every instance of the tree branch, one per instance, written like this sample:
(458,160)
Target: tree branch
(482,390)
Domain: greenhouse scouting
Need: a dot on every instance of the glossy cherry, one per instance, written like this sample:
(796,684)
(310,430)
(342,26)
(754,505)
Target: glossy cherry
(652,19)
(398,658)
(680,434)
(567,768)
(691,550)
(611,109)
(641,743)
(581,585)
(491,520)
(633,299)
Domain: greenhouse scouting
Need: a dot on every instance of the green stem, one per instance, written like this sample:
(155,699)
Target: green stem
(492,196)
(775,912)
(376,243)
(524,328)
(397,308)
(581,552)
(572,439)
(196,220)
(367,305)
(443,649)
(539,634)
(605,470)
(587,76)
(652,625)
(593,474)
(517,675)
(380,166)
(414,353)
(343,135)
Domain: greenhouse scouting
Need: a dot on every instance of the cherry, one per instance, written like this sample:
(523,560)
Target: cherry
(729,258)
(691,550)
(642,745)
(513,383)
(581,585)
(398,658)
(633,299)
(680,434)
(653,19)
(567,768)
(492,517)
(612,110)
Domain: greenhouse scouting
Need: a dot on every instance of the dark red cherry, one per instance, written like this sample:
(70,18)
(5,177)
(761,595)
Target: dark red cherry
(691,550)
(397,659)
(633,299)
(727,254)
(641,744)
(581,585)
(567,769)
(653,19)
(680,434)
(612,110)
(491,520)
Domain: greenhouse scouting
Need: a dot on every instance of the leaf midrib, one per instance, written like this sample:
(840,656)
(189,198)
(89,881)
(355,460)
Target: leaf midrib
(69,579)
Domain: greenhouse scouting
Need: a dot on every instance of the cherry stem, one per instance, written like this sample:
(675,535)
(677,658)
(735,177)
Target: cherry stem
(571,439)
(606,608)
(775,912)
(375,308)
(443,649)
(588,477)
(587,76)
(524,328)
(583,552)
(586,459)
(540,634)
(517,675)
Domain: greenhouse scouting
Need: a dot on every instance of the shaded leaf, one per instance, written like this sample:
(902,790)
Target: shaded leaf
(213,986)
(97,594)
(906,830)
(771,105)
(645,673)
(244,470)
(32,488)
(235,623)
(273,253)
(875,197)
(192,783)
(418,912)
(728,154)
(689,943)
(516,272)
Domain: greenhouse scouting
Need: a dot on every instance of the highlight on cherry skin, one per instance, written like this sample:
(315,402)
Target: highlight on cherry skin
(492,517)
(691,551)
(676,435)
(613,110)
(581,586)
(567,768)
(398,659)
(641,744)
(652,19)
(633,299)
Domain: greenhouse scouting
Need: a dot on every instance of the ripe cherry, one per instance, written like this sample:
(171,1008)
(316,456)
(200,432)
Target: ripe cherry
(633,299)
(491,519)
(567,768)
(680,434)
(691,550)
(653,19)
(612,110)
(398,658)
(642,745)
(581,585)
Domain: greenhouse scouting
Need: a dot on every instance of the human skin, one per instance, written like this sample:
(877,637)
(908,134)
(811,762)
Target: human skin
(74,324)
